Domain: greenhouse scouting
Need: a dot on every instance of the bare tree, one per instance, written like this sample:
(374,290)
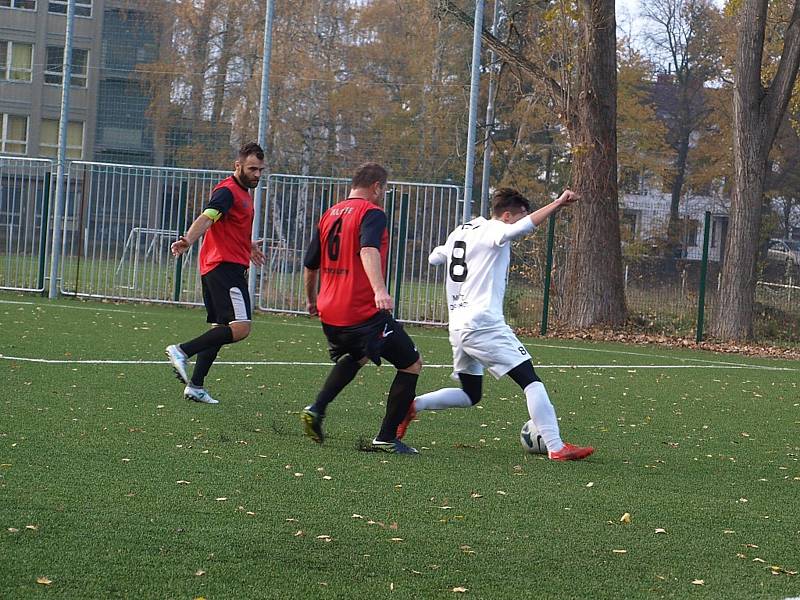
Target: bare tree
(683,39)
(759,104)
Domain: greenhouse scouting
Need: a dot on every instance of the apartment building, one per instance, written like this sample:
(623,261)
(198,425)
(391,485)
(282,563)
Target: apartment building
(107,113)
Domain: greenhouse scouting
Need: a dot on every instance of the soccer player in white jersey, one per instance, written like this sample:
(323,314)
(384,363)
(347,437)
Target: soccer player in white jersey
(477,255)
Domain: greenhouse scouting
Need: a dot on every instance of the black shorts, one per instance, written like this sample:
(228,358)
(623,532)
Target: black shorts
(380,336)
(225,294)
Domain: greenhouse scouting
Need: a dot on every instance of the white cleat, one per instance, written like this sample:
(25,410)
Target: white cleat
(179,361)
(198,395)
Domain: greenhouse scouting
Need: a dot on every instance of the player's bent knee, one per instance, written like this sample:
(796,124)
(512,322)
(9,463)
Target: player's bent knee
(472,386)
(413,369)
(240,330)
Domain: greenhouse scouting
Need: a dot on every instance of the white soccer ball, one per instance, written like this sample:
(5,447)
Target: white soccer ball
(531,440)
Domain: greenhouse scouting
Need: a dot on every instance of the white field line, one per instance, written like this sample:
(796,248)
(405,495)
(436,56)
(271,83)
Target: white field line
(445,337)
(274,363)
(114,310)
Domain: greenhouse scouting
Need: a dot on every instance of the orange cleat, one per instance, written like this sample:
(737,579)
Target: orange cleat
(410,416)
(570,452)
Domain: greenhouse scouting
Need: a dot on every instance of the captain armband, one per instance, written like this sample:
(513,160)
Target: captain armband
(213,214)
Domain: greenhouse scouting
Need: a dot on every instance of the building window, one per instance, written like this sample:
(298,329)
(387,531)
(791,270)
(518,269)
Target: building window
(23,4)
(83,8)
(16,61)
(13,134)
(55,66)
(690,227)
(48,139)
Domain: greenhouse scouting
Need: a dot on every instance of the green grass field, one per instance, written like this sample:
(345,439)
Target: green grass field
(112,486)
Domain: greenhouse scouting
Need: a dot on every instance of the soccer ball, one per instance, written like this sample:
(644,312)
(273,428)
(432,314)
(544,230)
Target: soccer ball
(531,440)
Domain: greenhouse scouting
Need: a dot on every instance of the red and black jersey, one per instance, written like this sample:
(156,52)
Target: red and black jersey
(345,295)
(229,239)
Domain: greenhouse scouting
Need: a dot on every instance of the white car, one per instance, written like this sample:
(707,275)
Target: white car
(784,251)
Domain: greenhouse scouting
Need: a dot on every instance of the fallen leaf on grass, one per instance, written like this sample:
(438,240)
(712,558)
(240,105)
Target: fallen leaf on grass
(222,499)
(698,582)
(43,581)
(199,573)
(13,530)
(620,551)
(183,482)
(660,530)
(299,533)
(459,590)
(325,538)
(31,527)
(778,570)
(625,518)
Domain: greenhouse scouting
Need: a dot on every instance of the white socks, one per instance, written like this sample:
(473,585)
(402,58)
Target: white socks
(441,399)
(543,415)
(539,408)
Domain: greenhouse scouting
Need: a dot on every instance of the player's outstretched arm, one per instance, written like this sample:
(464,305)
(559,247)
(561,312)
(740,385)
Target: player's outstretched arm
(541,215)
(196,230)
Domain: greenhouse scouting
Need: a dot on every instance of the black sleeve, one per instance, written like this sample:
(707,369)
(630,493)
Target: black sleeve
(313,253)
(372,227)
(221,200)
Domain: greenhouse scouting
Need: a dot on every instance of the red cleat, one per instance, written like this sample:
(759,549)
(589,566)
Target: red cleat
(410,416)
(570,452)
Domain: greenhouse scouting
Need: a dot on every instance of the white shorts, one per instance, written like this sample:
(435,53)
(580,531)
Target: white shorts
(497,349)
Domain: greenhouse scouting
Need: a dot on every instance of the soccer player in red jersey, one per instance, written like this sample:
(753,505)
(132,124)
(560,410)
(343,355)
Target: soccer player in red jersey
(225,255)
(347,259)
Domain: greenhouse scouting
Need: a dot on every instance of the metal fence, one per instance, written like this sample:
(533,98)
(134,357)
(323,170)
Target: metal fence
(24,215)
(119,222)
(420,216)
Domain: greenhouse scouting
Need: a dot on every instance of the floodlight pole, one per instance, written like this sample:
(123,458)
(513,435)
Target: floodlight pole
(263,121)
(474,88)
(487,152)
(58,215)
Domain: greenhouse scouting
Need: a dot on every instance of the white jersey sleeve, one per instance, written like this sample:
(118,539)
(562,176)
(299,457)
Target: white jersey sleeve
(516,230)
(438,256)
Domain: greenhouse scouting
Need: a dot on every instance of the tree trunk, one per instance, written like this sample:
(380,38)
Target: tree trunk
(757,113)
(594,288)
(673,228)
(221,77)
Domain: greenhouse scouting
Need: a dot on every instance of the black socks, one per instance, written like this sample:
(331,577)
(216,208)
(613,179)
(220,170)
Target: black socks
(401,395)
(205,359)
(342,373)
(213,338)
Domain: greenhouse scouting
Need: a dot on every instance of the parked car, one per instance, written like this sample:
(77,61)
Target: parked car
(784,251)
